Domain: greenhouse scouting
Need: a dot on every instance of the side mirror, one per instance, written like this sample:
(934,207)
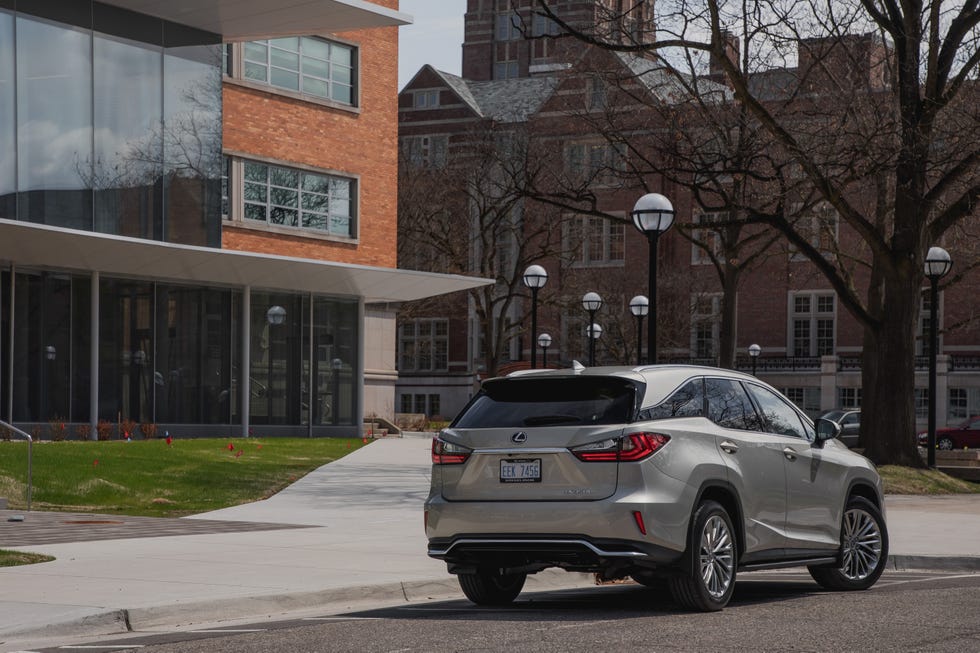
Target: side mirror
(826,430)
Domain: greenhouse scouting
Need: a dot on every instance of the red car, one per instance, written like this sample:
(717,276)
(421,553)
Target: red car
(963,435)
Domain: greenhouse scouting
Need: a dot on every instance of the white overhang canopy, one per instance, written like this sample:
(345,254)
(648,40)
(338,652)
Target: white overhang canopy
(31,245)
(244,20)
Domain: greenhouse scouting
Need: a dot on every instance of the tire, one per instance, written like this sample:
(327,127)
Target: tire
(946,444)
(489,587)
(864,549)
(708,581)
(647,579)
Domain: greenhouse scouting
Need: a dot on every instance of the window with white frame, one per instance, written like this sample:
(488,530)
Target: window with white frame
(811,329)
(288,197)
(848,398)
(304,64)
(806,399)
(428,99)
(592,241)
(423,345)
(923,331)
(818,226)
(430,151)
(921,403)
(705,325)
(595,162)
(963,403)
(706,241)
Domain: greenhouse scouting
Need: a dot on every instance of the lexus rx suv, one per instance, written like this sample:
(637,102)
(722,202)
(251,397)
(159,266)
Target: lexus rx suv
(676,476)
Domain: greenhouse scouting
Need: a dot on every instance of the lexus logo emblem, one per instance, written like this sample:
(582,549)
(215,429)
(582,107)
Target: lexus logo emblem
(519,437)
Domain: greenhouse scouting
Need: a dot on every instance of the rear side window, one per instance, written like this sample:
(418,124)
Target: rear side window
(729,406)
(522,402)
(688,401)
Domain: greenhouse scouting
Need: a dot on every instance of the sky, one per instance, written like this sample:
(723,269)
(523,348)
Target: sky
(434,38)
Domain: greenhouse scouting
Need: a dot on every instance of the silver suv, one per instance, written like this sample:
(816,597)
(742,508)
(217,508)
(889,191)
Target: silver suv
(676,476)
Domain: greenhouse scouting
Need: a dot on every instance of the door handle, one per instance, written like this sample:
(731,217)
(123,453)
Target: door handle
(728,446)
(790,453)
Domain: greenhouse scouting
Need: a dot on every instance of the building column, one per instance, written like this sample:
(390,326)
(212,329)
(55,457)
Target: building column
(828,383)
(10,349)
(93,396)
(942,390)
(246,367)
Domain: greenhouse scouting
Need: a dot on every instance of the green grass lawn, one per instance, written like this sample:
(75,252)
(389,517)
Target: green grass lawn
(149,477)
(17,558)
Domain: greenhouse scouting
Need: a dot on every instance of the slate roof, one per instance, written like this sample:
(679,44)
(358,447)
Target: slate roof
(671,87)
(506,100)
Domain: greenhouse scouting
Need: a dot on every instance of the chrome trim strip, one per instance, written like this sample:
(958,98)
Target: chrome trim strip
(435,553)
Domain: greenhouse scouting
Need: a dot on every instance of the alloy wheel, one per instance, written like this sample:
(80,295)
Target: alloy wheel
(717,556)
(862,544)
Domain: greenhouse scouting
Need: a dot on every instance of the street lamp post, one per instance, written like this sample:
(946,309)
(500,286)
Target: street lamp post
(592,302)
(639,307)
(754,351)
(593,331)
(535,277)
(653,215)
(544,341)
(937,265)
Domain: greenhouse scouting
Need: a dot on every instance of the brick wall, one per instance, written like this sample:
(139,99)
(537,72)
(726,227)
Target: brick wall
(272,126)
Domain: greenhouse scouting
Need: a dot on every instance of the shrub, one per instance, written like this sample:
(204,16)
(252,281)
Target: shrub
(104,430)
(5,434)
(127,429)
(58,429)
(83,431)
(149,430)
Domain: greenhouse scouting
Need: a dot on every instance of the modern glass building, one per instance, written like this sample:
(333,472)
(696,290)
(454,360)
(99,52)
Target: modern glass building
(117,301)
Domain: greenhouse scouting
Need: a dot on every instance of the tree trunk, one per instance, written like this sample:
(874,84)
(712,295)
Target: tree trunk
(888,374)
(729,310)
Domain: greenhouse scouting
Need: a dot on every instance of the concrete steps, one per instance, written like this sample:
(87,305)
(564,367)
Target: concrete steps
(964,464)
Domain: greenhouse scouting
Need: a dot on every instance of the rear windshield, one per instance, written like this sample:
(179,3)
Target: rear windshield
(516,402)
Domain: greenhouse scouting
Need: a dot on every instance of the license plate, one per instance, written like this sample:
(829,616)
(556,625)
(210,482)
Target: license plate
(520,470)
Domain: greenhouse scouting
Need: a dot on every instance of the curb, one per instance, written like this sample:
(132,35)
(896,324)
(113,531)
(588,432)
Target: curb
(121,621)
(964,564)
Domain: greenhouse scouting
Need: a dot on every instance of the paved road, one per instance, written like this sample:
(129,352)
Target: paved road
(775,611)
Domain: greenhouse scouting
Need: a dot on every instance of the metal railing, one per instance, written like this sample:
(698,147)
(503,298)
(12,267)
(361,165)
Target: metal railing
(30,457)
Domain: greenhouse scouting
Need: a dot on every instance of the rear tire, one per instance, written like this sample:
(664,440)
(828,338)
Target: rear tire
(864,549)
(490,587)
(712,557)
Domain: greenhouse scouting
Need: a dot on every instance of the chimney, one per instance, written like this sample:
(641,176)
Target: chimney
(731,53)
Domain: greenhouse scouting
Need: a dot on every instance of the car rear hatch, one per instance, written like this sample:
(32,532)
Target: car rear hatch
(542,468)
(520,435)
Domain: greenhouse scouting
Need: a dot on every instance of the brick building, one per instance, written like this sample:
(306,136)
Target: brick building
(551,95)
(198,216)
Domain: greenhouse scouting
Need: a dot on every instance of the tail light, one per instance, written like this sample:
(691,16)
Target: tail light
(447,453)
(630,448)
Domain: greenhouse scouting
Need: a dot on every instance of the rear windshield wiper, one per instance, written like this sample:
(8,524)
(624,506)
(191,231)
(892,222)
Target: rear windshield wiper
(542,420)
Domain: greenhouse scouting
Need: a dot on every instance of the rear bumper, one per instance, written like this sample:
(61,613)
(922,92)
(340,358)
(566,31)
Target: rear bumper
(571,551)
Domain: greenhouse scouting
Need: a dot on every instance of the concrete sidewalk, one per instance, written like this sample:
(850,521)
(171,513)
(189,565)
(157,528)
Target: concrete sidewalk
(357,536)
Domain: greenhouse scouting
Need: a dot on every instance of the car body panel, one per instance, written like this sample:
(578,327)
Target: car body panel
(785,494)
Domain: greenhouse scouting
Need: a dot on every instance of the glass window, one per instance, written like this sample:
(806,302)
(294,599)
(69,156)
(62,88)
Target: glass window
(54,139)
(127,369)
(192,144)
(308,65)
(192,357)
(423,345)
(686,402)
(294,198)
(729,405)
(335,374)
(128,138)
(518,403)
(812,325)
(8,164)
(779,416)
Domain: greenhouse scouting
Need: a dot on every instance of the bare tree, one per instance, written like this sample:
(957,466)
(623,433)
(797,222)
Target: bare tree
(875,103)
(465,215)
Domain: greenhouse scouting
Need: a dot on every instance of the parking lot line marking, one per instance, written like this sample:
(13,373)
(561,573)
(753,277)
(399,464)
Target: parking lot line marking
(230,630)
